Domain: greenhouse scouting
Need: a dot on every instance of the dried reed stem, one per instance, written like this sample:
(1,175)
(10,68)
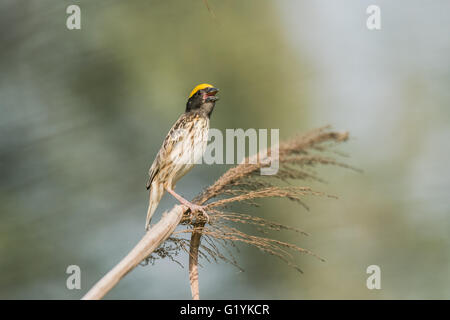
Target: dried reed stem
(151,241)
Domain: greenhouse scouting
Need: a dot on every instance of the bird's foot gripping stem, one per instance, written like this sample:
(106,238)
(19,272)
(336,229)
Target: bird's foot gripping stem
(192,206)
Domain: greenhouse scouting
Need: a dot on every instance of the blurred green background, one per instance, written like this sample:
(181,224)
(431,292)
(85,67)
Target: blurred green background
(83,113)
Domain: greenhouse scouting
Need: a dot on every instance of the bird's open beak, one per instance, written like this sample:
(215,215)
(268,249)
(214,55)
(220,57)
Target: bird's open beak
(212,91)
(211,94)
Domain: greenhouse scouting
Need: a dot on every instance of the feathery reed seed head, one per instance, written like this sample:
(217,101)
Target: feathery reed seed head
(243,184)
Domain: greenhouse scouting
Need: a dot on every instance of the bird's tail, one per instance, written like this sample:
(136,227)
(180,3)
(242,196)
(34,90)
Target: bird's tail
(156,193)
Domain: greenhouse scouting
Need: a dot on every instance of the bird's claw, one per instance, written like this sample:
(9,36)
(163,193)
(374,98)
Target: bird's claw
(196,208)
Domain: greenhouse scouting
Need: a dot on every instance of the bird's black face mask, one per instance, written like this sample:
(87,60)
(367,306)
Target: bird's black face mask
(203,100)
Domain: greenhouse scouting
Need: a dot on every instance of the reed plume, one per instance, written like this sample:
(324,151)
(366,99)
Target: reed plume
(298,159)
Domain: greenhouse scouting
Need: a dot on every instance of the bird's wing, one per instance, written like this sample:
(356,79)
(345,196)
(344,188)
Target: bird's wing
(173,141)
(154,169)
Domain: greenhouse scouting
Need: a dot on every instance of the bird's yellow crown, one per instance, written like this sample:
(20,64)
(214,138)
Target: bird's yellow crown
(200,87)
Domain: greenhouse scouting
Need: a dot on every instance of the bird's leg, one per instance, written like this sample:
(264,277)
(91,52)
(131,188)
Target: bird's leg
(192,206)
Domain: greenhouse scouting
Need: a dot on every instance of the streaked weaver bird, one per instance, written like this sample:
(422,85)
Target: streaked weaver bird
(183,146)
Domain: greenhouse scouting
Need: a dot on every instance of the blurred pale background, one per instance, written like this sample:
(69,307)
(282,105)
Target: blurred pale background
(83,113)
